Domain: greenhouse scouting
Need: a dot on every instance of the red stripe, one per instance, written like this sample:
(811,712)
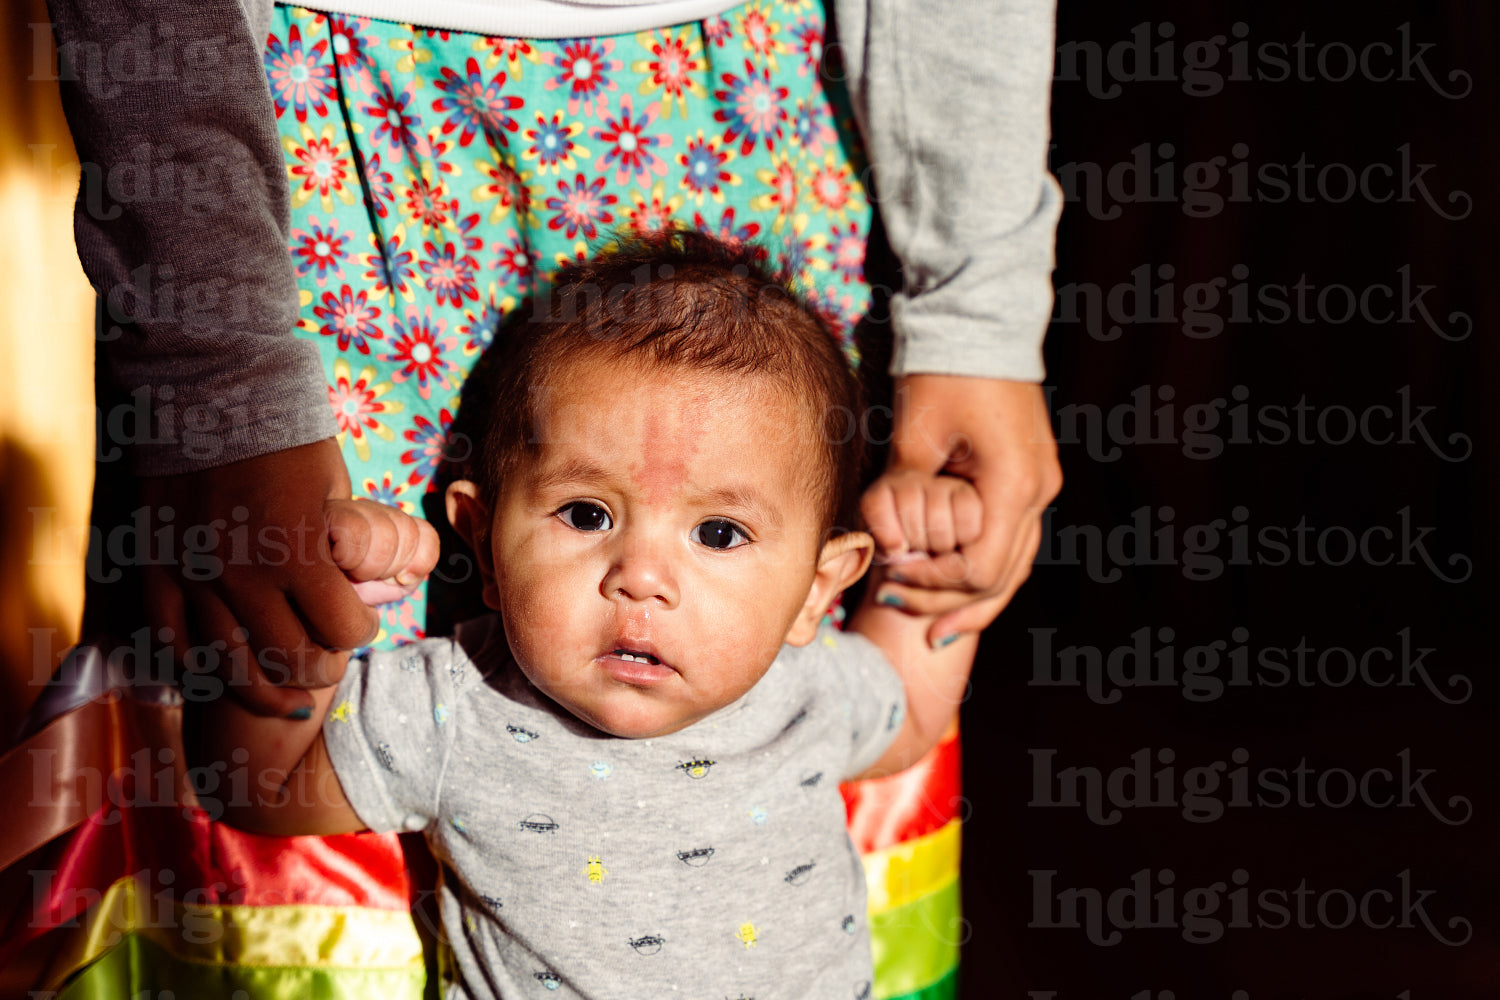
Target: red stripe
(357,869)
(179,854)
(923,798)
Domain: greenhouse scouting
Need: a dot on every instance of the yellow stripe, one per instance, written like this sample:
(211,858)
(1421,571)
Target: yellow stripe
(323,936)
(897,875)
(138,968)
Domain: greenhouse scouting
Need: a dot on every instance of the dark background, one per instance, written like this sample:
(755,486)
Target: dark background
(1333,361)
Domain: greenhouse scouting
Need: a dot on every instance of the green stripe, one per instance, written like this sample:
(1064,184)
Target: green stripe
(137,965)
(916,945)
(944,989)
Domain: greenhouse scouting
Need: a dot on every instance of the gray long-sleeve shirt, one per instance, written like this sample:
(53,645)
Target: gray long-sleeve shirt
(182,217)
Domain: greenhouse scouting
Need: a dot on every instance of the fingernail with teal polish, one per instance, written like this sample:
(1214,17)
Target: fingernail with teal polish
(946,640)
(300,714)
(890,600)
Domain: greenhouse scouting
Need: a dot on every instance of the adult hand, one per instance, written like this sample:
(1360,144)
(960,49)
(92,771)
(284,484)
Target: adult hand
(250,589)
(996,434)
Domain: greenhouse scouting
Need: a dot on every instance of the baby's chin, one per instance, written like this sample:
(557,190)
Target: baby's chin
(629,716)
(633,724)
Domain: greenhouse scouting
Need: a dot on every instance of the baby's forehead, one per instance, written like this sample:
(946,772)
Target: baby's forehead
(600,420)
(774,399)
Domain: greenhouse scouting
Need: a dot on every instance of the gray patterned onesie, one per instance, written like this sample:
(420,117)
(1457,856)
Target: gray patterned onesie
(709,863)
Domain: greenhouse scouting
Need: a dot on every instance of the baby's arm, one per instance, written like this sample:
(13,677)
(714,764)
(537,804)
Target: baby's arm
(928,519)
(279,778)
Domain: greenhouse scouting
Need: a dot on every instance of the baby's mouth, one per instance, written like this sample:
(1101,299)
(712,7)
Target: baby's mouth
(637,663)
(634,656)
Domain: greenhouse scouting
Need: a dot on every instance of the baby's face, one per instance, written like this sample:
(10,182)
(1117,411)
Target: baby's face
(651,558)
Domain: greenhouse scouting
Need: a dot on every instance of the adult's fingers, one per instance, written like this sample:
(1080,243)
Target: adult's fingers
(948,571)
(229,657)
(920,601)
(330,610)
(977,615)
(166,609)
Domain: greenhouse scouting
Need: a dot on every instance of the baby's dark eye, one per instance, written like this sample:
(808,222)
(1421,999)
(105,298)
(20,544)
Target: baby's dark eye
(585,516)
(720,534)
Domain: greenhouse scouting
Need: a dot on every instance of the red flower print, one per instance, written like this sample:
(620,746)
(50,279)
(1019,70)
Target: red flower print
(473,105)
(349,317)
(628,146)
(754,111)
(319,250)
(581,208)
(584,67)
(516,263)
(450,274)
(430,440)
(419,348)
(848,252)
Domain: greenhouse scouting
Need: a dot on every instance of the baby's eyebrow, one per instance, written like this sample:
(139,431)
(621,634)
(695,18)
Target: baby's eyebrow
(573,471)
(737,498)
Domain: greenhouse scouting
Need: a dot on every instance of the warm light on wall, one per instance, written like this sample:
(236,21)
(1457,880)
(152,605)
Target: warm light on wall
(46,368)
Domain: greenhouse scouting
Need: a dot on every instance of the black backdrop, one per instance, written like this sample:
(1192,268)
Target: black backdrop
(1240,253)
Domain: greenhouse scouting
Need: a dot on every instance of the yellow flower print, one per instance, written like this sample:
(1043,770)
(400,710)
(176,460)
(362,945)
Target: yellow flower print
(357,406)
(781,178)
(832,187)
(510,188)
(414,54)
(673,66)
(705,161)
(510,50)
(551,144)
(653,216)
(319,165)
(426,201)
(759,34)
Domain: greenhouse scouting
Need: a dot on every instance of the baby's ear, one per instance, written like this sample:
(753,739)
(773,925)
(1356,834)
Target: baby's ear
(843,560)
(471,518)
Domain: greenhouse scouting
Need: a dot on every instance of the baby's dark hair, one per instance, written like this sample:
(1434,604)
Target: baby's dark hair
(680,299)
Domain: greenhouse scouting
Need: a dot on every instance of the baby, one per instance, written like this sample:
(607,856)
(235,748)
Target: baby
(629,775)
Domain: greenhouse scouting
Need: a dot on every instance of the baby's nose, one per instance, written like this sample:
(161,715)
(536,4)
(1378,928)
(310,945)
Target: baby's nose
(642,572)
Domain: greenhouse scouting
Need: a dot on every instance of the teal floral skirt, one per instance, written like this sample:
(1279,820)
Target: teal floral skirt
(437,176)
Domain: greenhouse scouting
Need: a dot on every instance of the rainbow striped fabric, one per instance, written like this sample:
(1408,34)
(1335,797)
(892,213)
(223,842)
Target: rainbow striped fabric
(146,894)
